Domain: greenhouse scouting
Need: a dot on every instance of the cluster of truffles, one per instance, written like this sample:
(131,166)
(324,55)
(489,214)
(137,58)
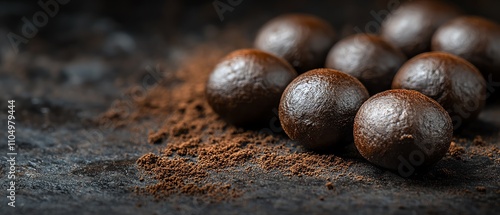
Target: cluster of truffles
(426,74)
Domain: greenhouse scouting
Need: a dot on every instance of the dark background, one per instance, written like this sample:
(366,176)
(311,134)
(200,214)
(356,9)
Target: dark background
(92,52)
(180,17)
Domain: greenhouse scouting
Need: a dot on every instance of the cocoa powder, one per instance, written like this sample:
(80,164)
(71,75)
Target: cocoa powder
(198,144)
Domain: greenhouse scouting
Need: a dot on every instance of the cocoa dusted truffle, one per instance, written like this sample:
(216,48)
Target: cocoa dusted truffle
(303,40)
(450,80)
(369,58)
(246,85)
(473,38)
(402,130)
(317,109)
(411,26)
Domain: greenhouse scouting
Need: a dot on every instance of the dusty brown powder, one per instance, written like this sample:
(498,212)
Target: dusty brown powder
(481,189)
(478,141)
(199,144)
(329,185)
(456,151)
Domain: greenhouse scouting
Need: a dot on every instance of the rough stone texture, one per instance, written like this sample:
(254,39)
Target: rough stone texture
(68,165)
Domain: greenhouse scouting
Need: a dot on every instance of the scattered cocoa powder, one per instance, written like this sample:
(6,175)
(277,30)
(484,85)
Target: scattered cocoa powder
(456,151)
(463,148)
(156,137)
(478,141)
(329,185)
(481,189)
(199,144)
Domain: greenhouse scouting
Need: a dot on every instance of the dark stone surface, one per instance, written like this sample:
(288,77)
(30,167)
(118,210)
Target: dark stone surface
(68,165)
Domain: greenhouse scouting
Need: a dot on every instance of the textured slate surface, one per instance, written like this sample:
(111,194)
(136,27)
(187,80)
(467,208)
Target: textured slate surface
(68,165)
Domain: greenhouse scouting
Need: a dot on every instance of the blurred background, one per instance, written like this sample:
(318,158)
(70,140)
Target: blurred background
(173,18)
(90,52)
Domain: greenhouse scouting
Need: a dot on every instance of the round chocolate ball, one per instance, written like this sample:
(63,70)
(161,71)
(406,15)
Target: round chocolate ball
(246,85)
(450,80)
(303,40)
(317,109)
(474,39)
(402,130)
(411,26)
(369,58)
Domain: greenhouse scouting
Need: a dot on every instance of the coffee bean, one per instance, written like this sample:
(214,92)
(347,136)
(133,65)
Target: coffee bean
(317,109)
(246,86)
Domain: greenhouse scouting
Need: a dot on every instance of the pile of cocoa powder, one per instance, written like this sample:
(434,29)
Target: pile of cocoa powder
(198,144)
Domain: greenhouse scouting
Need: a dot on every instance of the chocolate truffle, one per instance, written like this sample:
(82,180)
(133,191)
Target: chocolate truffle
(303,40)
(317,109)
(450,80)
(368,58)
(475,39)
(246,85)
(411,26)
(402,130)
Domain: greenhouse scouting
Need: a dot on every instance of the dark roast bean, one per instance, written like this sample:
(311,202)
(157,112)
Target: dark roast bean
(450,80)
(368,58)
(247,84)
(411,26)
(402,130)
(303,40)
(474,39)
(317,109)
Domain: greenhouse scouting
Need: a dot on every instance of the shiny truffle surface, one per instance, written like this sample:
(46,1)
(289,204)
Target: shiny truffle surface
(301,39)
(246,86)
(317,109)
(402,130)
(411,26)
(450,80)
(369,58)
(475,39)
